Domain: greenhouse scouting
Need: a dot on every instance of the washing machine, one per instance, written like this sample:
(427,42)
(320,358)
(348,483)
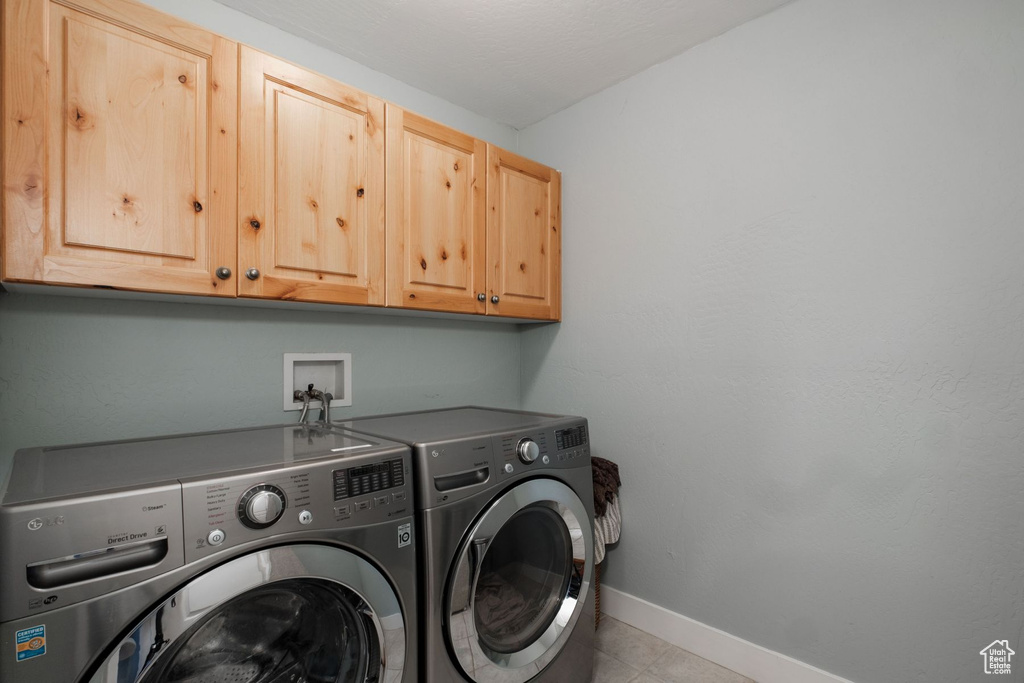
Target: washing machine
(274,554)
(504,507)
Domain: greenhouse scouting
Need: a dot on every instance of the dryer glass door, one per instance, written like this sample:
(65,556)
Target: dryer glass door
(520,582)
(309,613)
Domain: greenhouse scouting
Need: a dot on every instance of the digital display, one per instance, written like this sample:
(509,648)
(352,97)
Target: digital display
(375,468)
(571,438)
(359,481)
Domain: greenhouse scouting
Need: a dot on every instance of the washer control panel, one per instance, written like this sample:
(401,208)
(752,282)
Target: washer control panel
(330,493)
(378,476)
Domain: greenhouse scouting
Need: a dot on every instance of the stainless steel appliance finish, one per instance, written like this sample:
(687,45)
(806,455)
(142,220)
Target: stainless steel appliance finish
(504,505)
(277,553)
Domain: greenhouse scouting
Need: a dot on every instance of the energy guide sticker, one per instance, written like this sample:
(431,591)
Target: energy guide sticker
(30,642)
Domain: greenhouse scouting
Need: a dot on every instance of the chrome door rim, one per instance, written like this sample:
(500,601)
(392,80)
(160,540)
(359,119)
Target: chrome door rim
(189,604)
(531,659)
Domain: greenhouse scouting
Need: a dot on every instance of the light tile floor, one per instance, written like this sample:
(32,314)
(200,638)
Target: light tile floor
(628,655)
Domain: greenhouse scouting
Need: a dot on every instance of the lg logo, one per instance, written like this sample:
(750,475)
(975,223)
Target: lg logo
(39,522)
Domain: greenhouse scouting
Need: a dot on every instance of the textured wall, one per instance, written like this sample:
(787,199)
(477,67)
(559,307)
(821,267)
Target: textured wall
(794,313)
(74,369)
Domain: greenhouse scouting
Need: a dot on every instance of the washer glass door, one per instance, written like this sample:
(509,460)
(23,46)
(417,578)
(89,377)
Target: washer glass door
(307,613)
(520,581)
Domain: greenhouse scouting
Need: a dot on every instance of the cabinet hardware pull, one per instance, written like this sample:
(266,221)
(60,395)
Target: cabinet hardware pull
(223,273)
(252,273)
(494,299)
(481,297)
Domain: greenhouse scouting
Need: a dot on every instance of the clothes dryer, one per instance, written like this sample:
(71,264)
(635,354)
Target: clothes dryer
(275,554)
(504,505)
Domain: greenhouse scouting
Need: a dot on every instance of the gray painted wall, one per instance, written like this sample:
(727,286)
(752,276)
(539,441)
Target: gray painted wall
(74,369)
(794,314)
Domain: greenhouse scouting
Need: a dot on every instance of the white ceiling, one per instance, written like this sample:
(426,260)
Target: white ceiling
(512,61)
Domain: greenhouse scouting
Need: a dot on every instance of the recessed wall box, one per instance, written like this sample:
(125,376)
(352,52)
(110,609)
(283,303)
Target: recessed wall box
(328,372)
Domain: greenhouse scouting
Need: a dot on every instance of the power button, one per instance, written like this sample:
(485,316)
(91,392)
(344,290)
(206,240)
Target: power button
(216,537)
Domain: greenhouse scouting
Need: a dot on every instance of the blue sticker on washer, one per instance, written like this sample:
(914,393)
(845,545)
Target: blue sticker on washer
(30,642)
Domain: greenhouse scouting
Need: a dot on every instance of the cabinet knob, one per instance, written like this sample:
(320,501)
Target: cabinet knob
(253,273)
(494,299)
(223,273)
(481,297)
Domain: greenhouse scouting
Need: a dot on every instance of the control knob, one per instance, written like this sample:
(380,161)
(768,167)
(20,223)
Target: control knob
(527,450)
(261,506)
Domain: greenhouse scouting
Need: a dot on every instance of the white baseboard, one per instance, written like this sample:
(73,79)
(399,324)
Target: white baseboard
(748,659)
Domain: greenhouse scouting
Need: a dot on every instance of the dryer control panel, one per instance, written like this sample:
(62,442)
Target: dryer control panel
(456,469)
(529,451)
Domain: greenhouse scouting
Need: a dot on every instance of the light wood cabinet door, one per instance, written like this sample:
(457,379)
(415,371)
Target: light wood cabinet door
(436,223)
(119,148)
(524,224)
(311,186)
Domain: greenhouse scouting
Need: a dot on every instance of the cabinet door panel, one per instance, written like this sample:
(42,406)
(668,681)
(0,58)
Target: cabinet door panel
(130,100)
(524,237)
(311,179)
(133,131)
(436,223)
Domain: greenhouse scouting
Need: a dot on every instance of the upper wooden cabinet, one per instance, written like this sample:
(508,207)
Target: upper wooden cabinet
(119,148)
(436,242)
(524,237)
(472,228)
(140,152)
(311,186)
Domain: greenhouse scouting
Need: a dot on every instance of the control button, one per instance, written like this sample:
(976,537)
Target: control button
(264,507)
(216,537)
(342,511)
(261,506)
(527,450)
(363,505)
(546,460)
(509,469)
(305,517)
(398,496)
(382,500)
